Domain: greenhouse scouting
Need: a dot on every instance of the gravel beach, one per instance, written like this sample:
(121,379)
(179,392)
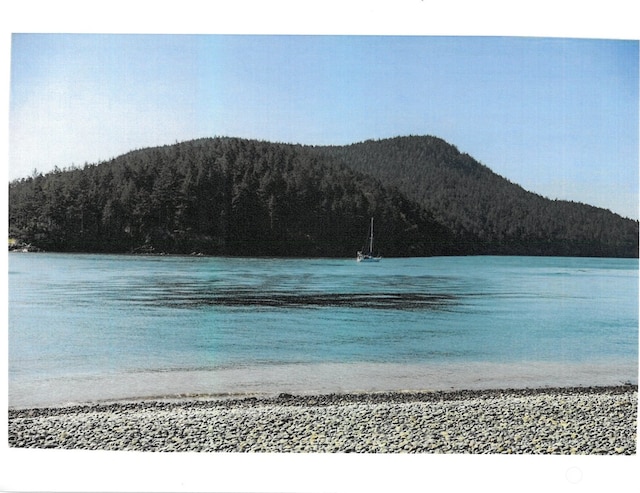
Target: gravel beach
(582,420)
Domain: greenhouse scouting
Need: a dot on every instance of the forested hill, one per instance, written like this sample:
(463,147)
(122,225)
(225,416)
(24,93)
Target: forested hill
(229,196)
(222,196)
(487,212)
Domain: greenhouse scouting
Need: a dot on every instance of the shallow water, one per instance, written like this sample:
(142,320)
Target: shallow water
(89,327)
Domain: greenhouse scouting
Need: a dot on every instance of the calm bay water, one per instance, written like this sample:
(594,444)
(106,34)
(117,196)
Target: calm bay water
(88,327)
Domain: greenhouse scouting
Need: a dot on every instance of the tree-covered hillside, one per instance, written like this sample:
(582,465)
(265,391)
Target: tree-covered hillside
(487,212)
(228,196)
(221,196)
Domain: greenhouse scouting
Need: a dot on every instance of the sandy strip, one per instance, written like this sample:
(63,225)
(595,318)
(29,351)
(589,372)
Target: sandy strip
(579,420)
(264,381)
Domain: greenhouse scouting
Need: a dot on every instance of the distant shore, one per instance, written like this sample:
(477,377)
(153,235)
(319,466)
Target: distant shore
(573,420)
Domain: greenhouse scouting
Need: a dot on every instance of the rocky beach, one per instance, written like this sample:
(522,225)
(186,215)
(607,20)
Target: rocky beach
(577,420)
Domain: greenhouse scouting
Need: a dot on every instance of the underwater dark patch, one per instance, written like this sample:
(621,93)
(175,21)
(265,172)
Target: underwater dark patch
(273,299)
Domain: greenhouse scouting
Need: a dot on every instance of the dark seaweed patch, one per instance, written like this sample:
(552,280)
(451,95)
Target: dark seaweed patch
(273,299)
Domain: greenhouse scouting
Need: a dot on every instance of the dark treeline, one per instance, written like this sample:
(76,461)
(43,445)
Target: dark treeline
(221,196)
(228,196)
(485,211)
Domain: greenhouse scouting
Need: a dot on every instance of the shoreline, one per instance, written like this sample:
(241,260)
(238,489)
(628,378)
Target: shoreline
(314,399)
(559,420)
(263,381)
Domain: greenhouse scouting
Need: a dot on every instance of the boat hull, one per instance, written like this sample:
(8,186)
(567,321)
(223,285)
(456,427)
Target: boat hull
(366,258)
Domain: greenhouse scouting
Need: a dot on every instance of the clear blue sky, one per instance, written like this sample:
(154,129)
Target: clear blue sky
(557,116)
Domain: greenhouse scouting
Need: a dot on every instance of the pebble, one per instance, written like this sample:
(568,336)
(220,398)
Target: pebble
(584,420)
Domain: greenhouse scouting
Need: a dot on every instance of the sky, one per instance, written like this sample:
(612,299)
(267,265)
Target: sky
(558,116)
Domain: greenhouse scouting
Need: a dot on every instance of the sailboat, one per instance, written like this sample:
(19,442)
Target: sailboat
(362,256)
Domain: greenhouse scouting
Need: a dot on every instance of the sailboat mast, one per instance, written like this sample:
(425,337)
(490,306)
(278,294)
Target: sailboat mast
(371,239)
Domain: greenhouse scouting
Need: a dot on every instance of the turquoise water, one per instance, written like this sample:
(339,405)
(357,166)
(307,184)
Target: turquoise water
(85,327)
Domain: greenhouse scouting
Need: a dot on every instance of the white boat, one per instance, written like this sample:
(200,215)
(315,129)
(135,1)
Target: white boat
(368,256)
